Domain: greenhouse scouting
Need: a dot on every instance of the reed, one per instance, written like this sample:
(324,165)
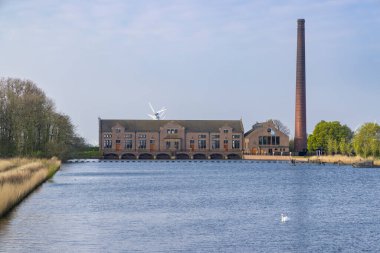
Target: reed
(340,159)
(19,177)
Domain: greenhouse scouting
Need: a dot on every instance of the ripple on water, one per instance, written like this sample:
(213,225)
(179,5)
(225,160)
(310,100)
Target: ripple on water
(198,207)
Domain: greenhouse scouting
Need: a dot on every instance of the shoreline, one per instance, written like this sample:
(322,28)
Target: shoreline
(336,159)
(20,177)
(274,158)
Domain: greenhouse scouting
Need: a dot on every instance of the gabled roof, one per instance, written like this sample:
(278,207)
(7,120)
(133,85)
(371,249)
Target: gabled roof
(154,125)
(254,127)
(262,124)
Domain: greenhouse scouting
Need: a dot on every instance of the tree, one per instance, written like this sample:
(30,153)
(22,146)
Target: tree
(335,147)
(29,125)
(327,135)
(374,147)
(342,146)
(345,147)
(366,141)
(349,149)
(280,126)
(332,147)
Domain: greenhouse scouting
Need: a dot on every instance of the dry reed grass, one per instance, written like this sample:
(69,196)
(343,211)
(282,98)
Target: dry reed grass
(15,162)
(336,159)
(18,177)
(341,159)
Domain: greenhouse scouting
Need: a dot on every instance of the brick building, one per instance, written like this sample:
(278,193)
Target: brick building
(171,139)
(266,139)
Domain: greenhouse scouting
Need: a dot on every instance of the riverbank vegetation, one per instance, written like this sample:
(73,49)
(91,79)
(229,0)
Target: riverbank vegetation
(332,138)
(366,141)
(30,126)
(342,159)
(19,177)
(87,153)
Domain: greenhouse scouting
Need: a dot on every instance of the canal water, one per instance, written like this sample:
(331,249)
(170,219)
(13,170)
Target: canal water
(198,207)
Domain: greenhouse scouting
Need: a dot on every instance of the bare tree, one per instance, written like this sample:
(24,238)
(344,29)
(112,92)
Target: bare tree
(281,127)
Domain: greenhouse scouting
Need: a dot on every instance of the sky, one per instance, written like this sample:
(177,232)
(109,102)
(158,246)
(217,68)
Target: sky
(215,59)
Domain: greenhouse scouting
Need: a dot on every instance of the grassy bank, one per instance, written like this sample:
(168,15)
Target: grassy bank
(19,177)
(337,159)
(91,153)
(342,159)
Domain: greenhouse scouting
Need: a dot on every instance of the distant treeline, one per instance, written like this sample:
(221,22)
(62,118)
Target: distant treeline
(30,125)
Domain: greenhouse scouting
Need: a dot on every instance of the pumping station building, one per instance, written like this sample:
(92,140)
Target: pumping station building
(171,139)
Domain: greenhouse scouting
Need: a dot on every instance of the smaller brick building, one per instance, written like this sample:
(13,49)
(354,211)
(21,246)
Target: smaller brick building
(266,139)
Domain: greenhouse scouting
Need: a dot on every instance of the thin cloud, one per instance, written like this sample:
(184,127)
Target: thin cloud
(238,55)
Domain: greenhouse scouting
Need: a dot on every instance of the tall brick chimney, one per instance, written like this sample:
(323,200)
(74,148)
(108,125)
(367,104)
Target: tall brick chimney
(300,136)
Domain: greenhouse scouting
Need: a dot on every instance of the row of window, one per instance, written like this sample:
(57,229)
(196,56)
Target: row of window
(127,136)
(269,140)
(215,144)
(169,131)
(174,131)
(217,136)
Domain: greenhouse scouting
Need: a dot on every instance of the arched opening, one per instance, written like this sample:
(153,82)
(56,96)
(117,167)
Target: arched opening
(216,156)
(128,156)
(233,157)
(182,156)
(111,156)
(163,156)
(199,156)
(146,156)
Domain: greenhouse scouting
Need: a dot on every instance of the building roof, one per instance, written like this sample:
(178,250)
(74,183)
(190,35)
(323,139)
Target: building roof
(259,125)
(154,125)
(254,127)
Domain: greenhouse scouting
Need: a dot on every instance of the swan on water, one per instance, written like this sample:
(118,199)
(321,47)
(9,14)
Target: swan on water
(284,218)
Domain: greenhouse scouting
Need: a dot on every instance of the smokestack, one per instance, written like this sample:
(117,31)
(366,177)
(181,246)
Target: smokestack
(300,136)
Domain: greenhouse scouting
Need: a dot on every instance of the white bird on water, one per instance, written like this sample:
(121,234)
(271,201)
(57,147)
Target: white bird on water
(284,218)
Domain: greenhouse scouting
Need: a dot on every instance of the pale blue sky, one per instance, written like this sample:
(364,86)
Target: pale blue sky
(210,59)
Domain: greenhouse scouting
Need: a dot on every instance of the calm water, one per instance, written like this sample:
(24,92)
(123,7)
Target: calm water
(198,207)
